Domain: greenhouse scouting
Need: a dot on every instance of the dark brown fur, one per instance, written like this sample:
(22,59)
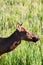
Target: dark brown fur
(10,43)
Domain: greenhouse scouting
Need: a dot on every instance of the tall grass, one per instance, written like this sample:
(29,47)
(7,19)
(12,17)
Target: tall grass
(30,13)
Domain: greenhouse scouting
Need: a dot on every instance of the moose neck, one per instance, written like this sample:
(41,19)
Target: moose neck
(15,37)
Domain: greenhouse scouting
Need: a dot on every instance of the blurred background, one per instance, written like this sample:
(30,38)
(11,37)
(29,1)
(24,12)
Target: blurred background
(30,13)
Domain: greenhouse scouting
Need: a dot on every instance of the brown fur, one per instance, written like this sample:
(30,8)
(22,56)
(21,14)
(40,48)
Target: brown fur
(11,42)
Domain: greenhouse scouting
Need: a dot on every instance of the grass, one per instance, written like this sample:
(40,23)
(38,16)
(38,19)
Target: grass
(30,13)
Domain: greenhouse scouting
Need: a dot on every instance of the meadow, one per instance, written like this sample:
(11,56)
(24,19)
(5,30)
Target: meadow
(30,13)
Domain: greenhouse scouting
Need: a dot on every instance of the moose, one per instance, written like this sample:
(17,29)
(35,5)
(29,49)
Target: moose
(9,43)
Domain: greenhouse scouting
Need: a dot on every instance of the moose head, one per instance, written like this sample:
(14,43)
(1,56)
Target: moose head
(26,34)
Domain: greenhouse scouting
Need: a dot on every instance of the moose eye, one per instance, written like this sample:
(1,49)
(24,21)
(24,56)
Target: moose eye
(25,32)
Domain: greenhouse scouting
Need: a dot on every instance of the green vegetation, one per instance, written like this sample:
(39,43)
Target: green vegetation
(30,13)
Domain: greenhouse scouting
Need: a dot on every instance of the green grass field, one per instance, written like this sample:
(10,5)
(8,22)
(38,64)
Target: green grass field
(30,13)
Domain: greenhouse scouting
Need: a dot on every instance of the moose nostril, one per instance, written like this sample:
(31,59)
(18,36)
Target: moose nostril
(35,39)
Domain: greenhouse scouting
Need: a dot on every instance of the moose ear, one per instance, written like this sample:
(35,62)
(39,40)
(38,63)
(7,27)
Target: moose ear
(19,26)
